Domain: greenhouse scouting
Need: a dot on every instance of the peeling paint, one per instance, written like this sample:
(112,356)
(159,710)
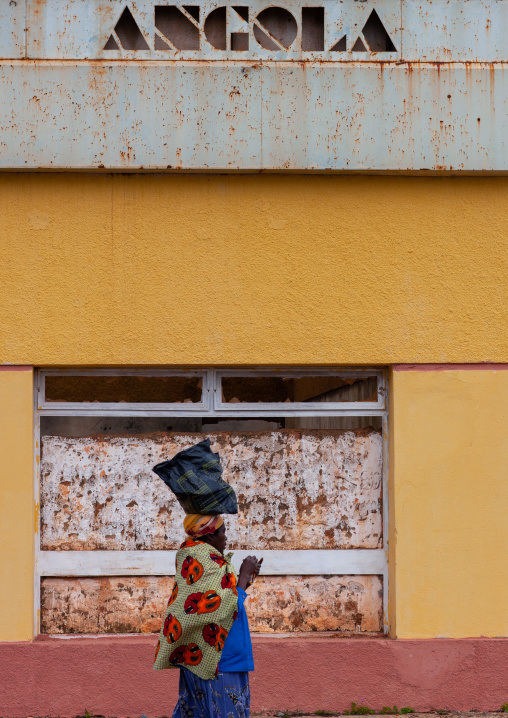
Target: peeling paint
(274,605)
(296,490)
(104,605)
(316,603)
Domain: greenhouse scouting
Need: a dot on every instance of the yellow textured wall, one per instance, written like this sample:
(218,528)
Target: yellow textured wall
(273,269)
(277,269)
(16,506)
(449,474)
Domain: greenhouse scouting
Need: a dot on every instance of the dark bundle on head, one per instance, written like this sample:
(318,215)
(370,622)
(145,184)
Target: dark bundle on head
(194,475)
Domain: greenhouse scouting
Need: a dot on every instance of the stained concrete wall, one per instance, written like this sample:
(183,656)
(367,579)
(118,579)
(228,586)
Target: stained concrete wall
(296,490)
(277,604)
(317,603)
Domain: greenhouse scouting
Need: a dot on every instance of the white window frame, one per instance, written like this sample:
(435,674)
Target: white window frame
(161,563)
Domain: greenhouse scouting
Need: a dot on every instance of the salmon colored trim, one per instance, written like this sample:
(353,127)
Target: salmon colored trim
(15,367)
(450,367)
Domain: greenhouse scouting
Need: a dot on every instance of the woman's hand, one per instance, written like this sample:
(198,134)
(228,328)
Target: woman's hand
(249,569)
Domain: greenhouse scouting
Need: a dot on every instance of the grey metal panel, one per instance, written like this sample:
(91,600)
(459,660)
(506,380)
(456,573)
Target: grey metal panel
(125,115)
(12,28)
(74,104)
(386,117)
(129,116)
(77,29)
(455,30)
(68,29)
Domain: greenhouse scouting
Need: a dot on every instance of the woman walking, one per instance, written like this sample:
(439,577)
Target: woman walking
(205,631)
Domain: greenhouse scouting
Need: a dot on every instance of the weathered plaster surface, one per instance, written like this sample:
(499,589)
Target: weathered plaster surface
(275,604)
(296,490)
(108,604)
(316,603)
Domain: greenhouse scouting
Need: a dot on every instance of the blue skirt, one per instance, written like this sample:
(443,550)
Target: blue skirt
(226,696)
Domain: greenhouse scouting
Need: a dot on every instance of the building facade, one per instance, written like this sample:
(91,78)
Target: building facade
(283,228)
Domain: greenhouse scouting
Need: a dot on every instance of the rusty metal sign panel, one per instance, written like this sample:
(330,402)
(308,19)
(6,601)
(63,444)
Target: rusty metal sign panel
(383,85)
(198,116)
(213,30)
(350,30)
(455,30)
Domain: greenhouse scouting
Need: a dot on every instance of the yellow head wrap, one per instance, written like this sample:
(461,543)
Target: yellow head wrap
(198,524)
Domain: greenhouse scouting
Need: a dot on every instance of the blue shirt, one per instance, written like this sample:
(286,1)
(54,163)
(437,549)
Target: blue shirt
(237,652)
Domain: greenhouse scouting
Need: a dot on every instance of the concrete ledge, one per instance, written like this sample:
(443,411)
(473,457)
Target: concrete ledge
(113,676)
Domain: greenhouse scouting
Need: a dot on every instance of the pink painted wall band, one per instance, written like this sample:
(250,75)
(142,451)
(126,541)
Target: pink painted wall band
(113,676)
(396,367)
(16,367)
(450,367)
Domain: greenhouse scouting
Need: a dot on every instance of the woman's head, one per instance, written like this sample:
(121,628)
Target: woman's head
(207,528)
(218,539)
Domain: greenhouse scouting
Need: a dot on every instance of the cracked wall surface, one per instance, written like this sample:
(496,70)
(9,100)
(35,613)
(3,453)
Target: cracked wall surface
(296,490)
(136,604)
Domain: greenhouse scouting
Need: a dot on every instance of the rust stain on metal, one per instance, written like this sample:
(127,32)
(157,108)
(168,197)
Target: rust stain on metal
(145,81)
(275,604)
(296,490)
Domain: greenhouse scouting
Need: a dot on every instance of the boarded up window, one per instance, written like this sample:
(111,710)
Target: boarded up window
(307,481)
(296,490)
